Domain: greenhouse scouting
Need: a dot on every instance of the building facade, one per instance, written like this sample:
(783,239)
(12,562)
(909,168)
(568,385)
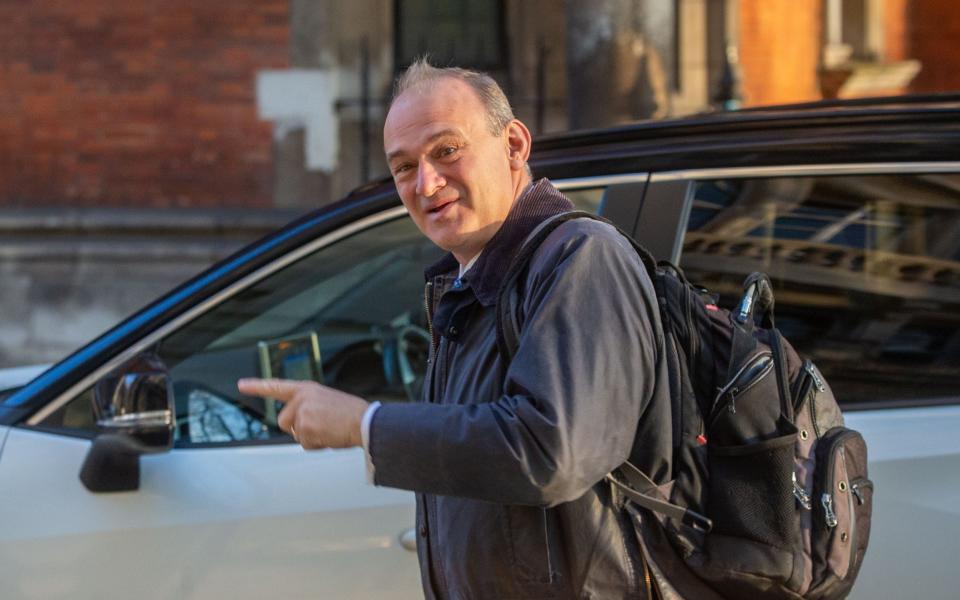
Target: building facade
(168,133)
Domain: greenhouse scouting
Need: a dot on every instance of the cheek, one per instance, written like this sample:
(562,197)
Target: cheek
(407,193)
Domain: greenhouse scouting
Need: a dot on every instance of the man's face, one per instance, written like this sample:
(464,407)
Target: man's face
(453,175)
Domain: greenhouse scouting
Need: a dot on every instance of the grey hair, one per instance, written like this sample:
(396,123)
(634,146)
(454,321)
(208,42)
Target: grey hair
(499,113)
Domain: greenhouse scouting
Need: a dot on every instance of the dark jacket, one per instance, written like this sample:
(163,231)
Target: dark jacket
(508,460)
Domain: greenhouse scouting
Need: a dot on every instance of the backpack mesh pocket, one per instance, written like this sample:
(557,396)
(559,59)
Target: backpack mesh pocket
(751,490)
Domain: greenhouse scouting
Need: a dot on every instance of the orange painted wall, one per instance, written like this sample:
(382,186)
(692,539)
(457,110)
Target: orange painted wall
(896,24)
(780,43)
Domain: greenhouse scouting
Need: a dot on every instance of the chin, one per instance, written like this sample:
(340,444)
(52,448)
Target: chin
(446,239)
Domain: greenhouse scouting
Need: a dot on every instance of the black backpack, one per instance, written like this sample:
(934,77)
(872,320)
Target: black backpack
(770,496)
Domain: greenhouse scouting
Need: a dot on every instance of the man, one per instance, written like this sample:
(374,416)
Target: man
(507,460)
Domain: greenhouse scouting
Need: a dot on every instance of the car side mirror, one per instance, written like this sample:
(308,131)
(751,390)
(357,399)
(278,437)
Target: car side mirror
(135,411)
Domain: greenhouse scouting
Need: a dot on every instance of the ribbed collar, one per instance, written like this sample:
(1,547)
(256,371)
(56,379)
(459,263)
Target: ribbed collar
(539,202)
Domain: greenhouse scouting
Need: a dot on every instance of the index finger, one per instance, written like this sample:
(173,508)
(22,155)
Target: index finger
(277,389)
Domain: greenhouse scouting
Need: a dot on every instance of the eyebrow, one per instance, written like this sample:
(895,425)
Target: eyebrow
(435,136)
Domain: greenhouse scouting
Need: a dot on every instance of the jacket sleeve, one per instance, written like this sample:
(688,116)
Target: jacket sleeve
(572,396)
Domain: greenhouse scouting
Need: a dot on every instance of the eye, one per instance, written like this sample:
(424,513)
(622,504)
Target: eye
(401,169)
(447,151)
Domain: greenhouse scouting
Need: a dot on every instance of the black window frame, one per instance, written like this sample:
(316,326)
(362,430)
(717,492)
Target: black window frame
(501,65)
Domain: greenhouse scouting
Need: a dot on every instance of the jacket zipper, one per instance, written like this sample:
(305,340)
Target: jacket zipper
(427,297)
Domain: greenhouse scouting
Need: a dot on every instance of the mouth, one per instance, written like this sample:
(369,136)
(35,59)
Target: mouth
(440,207)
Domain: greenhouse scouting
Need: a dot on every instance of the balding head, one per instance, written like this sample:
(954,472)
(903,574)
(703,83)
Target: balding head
(494,101)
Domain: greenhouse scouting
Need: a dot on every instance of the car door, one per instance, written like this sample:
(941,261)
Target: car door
(236,509)
(865,261)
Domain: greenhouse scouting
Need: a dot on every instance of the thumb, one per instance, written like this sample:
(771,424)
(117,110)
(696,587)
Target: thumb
(278,389)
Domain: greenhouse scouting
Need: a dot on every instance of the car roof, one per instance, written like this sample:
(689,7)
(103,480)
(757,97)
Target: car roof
(908,106)
(879,130)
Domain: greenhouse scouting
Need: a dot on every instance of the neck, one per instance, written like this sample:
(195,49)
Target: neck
(520,184)
(464,259)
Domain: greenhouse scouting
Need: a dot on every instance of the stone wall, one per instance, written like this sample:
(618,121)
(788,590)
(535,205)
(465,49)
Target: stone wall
(68,275)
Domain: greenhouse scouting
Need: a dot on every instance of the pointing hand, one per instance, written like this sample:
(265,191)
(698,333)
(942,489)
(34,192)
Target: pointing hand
(315,415)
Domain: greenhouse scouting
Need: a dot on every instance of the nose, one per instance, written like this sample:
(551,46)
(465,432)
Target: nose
(429,179)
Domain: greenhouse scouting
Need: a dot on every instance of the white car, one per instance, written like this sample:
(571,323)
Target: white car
(133,468)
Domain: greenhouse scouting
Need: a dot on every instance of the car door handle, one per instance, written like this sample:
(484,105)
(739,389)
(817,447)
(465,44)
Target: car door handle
(408,539)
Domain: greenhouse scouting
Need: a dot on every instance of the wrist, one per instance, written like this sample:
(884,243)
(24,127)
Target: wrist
(356,425)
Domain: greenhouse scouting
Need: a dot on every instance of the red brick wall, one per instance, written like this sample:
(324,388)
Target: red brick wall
(136,103)
(780,42)
(934,39)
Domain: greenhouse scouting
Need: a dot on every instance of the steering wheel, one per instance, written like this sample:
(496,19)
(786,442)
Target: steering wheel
(405,353)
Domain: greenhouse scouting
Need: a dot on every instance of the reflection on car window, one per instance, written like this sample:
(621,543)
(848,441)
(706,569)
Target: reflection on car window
(350,315)
(211,418)
(866,272)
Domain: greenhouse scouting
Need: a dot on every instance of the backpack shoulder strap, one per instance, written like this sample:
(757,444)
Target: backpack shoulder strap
(508,298)
(631,482)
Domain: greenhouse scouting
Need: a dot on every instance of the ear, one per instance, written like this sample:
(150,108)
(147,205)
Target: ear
(519,142)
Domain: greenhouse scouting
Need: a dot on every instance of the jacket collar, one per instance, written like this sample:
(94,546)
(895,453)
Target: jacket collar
(537,203)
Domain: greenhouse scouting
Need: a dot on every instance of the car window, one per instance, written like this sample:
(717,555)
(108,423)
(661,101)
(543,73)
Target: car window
(866,271)
(350,315)
(588,199)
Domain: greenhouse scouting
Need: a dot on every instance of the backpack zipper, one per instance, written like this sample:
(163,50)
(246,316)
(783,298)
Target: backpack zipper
(809,368)
(827,501)
(748,376)
(802,387)
(801,494)
(693,341)
(855,486)
(831,443)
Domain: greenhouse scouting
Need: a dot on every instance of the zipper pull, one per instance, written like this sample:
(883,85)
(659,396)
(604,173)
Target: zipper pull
(827,501)
(855,488)
(800,494)
(858,494)
(732,407)
(808,366)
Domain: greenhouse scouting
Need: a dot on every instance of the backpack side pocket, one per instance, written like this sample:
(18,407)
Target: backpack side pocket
(842,510)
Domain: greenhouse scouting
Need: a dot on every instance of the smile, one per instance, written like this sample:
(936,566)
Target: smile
(441,207)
